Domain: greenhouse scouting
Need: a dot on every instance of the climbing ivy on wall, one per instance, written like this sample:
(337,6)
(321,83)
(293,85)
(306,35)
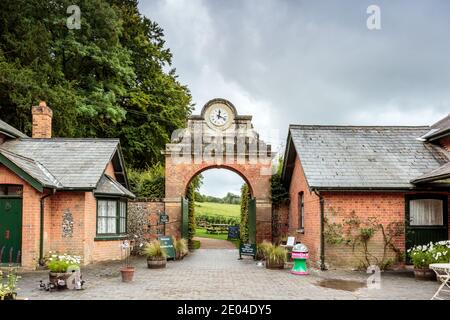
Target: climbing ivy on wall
(191,212)
(359,232)
(245,195)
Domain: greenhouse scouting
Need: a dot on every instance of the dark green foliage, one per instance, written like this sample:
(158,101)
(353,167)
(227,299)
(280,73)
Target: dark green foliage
(217,219)
(279,192)
(245,195)
(111,78)
(147,183)
(193,187)
(191,212)
(230,198)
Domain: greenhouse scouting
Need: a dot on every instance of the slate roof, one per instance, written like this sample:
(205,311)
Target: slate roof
(11,131)
(358,157)
(109,186)
(439,129)
(33,168)
(443,172)
(74,163)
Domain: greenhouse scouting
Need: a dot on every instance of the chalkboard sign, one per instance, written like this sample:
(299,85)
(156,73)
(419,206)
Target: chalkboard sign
(233,232)
(247,249)
(163,218)
(167,245)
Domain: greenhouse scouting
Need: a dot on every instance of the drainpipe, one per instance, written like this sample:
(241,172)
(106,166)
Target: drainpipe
(41,237)
(322,233)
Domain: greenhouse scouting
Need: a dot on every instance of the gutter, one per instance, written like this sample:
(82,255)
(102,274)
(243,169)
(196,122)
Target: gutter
(322,233)
(41,231)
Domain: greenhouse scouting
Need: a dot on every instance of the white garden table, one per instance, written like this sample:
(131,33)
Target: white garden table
(442,271)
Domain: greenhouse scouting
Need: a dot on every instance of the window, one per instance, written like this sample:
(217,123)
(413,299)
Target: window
(111,217)
(426,212)
(301,212)
(11,190)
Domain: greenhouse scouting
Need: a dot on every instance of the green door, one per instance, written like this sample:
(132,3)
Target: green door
(10,230)
(252,221)
(427,219)
(184,218)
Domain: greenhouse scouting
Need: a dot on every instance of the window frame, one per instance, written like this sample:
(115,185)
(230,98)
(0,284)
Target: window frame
(301,212)
(442,197)
(117,235)
(8,195)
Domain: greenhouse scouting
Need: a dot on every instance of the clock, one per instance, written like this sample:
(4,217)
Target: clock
(219,116)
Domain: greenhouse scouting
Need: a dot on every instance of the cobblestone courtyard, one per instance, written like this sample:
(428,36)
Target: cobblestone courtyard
(217,274)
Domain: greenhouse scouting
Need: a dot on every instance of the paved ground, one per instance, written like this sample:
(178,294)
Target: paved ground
(217,274)
(207,243)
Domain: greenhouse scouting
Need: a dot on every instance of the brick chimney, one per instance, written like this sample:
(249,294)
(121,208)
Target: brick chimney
(42,121)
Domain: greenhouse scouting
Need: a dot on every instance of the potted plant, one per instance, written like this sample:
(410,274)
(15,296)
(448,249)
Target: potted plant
(127,271)
(263,249)
(59,264)
(276,257)
(156,256)
(424,255)
(181,248)
(8,285)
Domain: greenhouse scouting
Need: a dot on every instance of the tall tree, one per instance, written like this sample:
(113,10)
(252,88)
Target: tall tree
(110,78)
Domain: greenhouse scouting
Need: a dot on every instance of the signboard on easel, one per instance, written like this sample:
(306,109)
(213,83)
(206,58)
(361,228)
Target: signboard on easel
(167,245)
(247,249)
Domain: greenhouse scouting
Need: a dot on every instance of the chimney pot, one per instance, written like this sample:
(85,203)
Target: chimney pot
(42,121)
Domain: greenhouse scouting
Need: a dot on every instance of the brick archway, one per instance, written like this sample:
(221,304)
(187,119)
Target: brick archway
(200,147)
(241,173)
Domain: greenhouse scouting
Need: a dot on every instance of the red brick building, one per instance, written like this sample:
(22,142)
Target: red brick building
(60,194)
(347,181)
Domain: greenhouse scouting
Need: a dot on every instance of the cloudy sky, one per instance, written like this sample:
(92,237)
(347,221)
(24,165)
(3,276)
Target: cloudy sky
(310,62)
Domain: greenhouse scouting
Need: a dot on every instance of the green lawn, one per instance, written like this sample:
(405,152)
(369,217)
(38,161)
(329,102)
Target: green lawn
(216,209)
(201,233)
(221,209)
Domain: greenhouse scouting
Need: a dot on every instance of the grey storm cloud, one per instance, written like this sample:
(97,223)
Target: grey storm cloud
(312,62)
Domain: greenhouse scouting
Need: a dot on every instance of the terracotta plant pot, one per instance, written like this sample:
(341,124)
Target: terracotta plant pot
(424,274)
(58,279)
(127,274)
(273,265)
(156,263)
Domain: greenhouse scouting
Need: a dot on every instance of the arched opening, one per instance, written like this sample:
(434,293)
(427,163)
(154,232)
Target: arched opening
(223,168)
(215,197)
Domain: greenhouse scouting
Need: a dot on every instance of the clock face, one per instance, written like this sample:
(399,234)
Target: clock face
(219,116)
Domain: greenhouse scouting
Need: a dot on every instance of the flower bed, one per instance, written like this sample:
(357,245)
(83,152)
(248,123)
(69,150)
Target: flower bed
(424,255)
(8,285)
(61,267)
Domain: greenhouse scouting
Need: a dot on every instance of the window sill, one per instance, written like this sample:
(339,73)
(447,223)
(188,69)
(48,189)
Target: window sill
(109,238)
(302,231)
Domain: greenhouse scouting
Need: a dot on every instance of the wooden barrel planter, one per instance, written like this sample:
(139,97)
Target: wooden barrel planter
(274,265)
(156,263)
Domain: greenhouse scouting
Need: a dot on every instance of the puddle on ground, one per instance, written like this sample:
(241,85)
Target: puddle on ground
(346,285)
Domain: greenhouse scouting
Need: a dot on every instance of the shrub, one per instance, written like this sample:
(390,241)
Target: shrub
(276,255)
(424,255)
(181,247)
(59,263)
(153,250)
(148,183)
(264,248)
(8,284)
